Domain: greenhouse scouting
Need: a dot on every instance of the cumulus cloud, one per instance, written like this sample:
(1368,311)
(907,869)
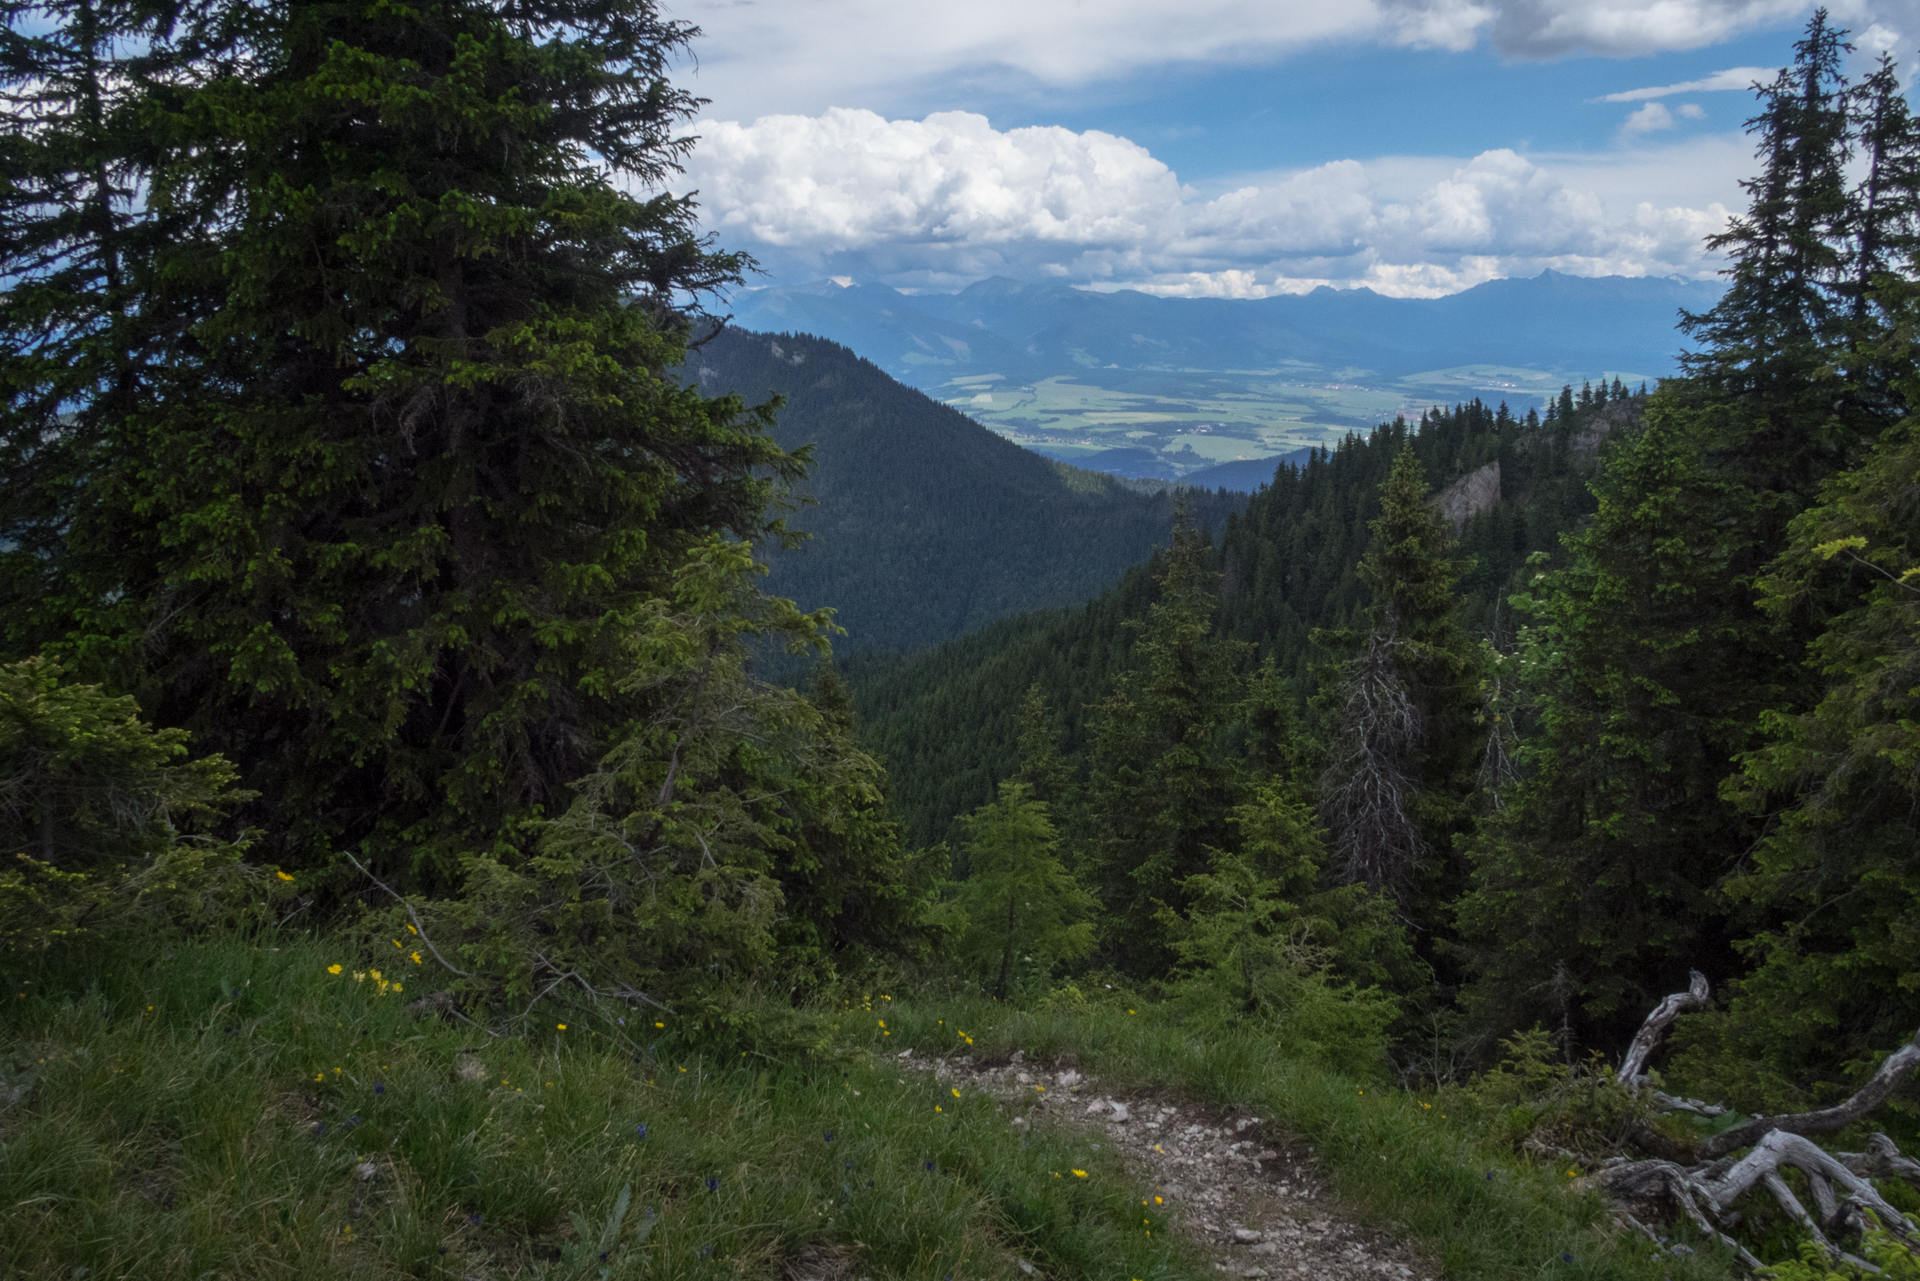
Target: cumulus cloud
(1648,118)
(948,199)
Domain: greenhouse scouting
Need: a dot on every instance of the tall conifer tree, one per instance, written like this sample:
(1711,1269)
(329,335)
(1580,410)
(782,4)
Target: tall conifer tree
(1161,789)
(383,550)
(1401,706)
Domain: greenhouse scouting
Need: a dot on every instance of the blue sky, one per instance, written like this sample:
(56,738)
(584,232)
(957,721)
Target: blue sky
(1233,148)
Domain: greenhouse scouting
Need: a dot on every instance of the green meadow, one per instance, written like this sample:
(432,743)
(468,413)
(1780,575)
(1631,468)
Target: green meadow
(235,1109)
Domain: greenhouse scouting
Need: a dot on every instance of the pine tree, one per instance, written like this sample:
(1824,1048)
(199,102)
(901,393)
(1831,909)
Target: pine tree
(1403,705)
(1019,899)
(1161,789)
(1769,344)
(385,553)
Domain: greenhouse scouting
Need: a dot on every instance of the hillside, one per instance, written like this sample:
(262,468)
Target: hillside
(946,725)
(1147,386)
(924,524)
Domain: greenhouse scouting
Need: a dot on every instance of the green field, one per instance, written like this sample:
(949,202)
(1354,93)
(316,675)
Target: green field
(1194,418)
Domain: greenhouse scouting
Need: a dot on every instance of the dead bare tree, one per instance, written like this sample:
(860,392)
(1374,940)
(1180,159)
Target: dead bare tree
(1367,790)
(1703,1180)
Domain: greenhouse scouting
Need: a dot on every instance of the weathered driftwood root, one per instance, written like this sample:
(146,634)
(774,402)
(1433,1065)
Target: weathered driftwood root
(1679,1182)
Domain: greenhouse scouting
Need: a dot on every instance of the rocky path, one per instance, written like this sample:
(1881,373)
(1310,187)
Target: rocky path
(1254,1206)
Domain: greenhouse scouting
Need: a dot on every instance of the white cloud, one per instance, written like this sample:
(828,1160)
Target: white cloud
(1620,28)
(765,57)
(1652,116)
(949,199)
(1691,110)
(1732,78)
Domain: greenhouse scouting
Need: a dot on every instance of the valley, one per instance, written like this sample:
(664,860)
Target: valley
(1172,388)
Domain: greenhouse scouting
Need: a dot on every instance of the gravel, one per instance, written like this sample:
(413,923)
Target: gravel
(1230,1184)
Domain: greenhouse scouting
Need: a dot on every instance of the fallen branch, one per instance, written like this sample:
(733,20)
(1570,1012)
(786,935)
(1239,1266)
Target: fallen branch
(1703,1181)
(1826,1120)
(418,928)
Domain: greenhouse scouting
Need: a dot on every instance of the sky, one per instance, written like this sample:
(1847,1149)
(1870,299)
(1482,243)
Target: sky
(1236,148)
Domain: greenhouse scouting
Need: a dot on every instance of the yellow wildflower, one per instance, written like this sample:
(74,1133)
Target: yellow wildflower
(561,1026)
(1079,1174)
(282,875)
(333,969)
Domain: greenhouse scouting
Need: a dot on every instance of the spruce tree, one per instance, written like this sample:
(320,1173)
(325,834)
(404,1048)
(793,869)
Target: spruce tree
(385,550)
(1161,788)
(1401,706)
(1647,671)
(1769,346)
(83,329)
(1835,875)
(1020,902)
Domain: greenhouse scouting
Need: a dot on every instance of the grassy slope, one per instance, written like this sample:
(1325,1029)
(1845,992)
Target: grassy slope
(171,1128)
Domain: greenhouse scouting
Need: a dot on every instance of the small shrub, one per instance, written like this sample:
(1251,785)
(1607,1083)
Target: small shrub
(103,820)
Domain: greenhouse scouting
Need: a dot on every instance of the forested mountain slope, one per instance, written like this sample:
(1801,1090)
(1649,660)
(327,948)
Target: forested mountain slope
(924,524)
(946,721)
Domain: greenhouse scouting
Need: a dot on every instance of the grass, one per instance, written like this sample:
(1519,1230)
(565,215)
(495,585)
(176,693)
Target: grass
(216,1110)
(1392,1156)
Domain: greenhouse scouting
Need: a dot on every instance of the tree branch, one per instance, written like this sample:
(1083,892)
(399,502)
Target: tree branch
(1633,1068)
(418,928)
(1826,1120)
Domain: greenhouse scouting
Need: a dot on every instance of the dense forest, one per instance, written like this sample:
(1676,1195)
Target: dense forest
(1636,711)
(922,525)
(383,587)
(1286,568)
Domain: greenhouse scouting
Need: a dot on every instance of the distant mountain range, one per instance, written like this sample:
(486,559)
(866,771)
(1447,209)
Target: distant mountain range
(924,524)
(1147,386)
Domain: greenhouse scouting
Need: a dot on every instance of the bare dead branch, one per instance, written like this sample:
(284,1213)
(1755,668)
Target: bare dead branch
(1826,1120)
(1882,1160)
(1633,1068)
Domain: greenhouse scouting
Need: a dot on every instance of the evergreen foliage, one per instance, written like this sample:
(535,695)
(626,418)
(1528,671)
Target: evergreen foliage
(104,826)
(1646,670)
(1020,902)
(1160,790)
(1263,941)
(734,840)
(1287,565)
(414,470)
(1650,669)
(1402,709)
(1835,872)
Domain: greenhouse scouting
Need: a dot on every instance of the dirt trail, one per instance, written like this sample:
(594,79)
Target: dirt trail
(1257,1209)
